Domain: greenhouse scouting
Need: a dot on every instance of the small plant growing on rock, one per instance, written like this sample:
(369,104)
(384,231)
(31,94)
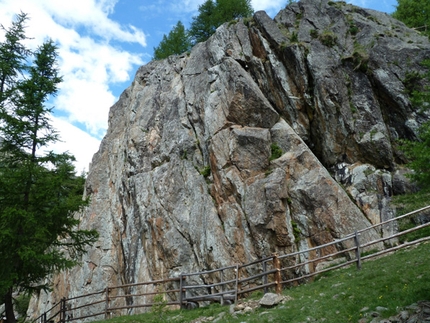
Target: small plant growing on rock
(412,80)
(276,151)
(353,29)
(313,33)
(283,45)
(294,38)
(205,171)
(328,38)
(296,231)
(359,57)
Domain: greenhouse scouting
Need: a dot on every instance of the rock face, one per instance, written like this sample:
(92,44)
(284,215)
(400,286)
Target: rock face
(275,135)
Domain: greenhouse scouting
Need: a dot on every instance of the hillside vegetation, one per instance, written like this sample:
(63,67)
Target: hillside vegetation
(382,287)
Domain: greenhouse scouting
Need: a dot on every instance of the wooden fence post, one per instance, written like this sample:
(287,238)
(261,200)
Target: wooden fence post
(357,250)
(265,277)
(278,278)
(63,310)
(181,292)
(222,287)
(44,318)
(106,302)
(237,284)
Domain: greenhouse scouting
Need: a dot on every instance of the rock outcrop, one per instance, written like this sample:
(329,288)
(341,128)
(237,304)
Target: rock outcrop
(275,135)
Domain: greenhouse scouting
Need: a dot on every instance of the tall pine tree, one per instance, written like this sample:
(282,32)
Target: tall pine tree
(39,190)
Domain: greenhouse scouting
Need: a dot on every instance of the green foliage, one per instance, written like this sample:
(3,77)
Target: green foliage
(294,38)
(296,231)
(21,305)
(213,14)
(407,203)
(416,88)
(204,25)
(314,33)
(414,13)
(328,38)
(353,29)
(177,42)
(410,202)
(409,223)
(206,171)
(411,82)
(39,191)
(360,58)
(159,306)
(418,153)
(337,4)
(276,151)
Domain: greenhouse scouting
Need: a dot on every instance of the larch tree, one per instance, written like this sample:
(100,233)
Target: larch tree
(212,14)
(205,24)
(176,42)
(39,190)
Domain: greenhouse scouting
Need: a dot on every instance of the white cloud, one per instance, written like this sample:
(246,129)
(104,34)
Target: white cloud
(271,6)
(186,6)
(90,61)
(77,142)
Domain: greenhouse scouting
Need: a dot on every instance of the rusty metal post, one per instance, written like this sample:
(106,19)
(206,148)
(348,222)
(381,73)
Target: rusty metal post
(278,278)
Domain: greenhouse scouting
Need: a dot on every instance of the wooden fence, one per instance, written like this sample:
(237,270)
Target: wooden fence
(233,282)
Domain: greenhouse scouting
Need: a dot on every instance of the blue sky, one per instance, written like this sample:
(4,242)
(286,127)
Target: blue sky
(101,44)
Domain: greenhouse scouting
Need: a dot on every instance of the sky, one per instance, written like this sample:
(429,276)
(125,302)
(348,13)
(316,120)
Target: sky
(101,44)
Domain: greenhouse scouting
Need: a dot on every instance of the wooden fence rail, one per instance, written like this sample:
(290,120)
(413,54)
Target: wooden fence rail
(270,274)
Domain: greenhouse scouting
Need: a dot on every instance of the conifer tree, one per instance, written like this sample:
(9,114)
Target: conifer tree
(414,13)
(39,190)
(205,24)
(212,14)
(177,42)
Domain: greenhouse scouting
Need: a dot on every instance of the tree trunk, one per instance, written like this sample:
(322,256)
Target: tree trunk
(8,302)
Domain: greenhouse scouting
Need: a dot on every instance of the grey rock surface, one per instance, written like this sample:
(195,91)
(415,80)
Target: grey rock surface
(185,179)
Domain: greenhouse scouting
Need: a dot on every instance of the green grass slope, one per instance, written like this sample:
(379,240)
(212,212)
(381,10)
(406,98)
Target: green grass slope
(346,295)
